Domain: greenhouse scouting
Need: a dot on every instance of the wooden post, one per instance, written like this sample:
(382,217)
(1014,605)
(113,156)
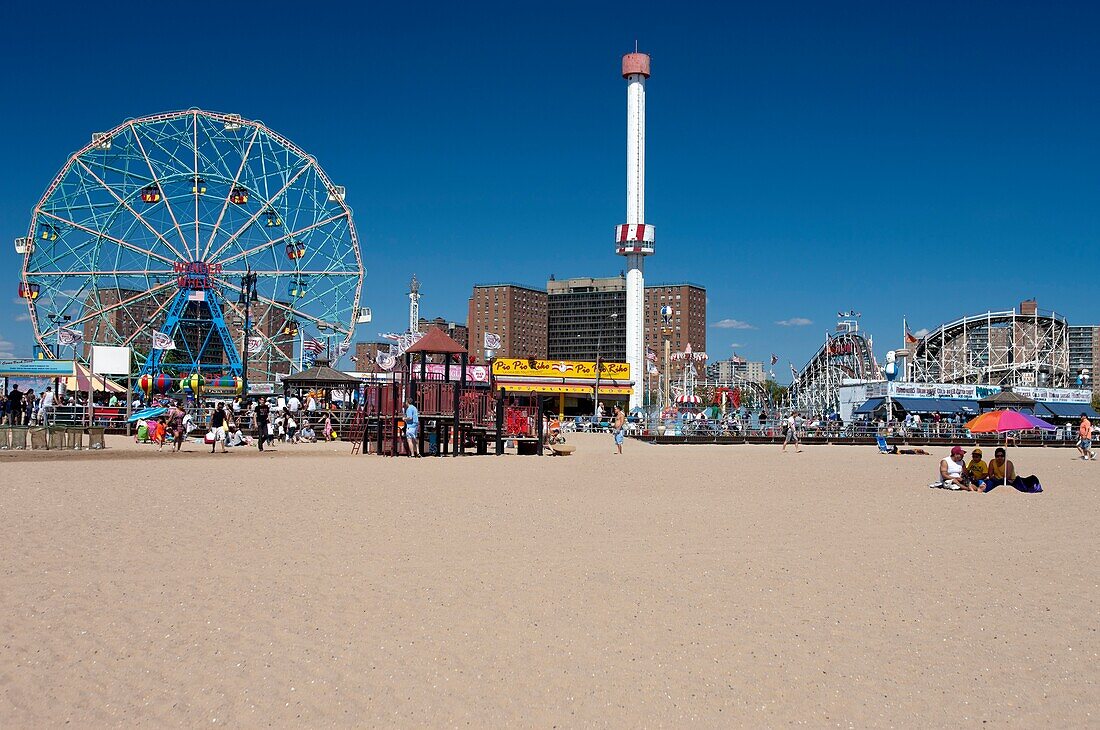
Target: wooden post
(500,422)
(538,423)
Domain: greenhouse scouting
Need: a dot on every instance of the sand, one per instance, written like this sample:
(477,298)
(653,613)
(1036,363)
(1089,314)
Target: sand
(712,585)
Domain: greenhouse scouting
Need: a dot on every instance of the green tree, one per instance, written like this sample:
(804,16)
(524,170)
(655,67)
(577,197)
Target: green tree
(776,393)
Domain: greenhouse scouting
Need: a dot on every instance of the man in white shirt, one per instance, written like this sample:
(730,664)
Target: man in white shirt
(45,408)
(293,404)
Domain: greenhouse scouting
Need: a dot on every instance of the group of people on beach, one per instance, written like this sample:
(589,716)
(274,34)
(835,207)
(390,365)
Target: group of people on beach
(25,408)
(227,425)
(977,475)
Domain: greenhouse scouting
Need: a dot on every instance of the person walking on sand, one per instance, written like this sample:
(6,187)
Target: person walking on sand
(175,425)
(791,436)
(261,414)
(1084,435)
(619,429)
(412,428)
(217,427)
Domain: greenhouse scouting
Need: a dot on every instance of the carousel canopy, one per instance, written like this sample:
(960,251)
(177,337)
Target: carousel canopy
(688,399)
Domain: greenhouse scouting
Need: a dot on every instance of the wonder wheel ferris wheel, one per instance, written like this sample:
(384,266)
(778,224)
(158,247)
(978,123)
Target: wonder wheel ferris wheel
(149,234)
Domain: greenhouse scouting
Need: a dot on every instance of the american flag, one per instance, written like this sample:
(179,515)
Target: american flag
(313,345)
(650,355)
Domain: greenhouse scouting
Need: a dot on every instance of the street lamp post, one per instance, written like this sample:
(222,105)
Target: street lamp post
(247,296)
(599,344)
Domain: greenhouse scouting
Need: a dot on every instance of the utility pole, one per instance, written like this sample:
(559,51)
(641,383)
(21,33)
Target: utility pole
(247,296)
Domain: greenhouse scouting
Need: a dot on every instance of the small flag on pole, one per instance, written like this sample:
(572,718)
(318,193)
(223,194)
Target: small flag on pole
(255,345)
(775,358)
(650,355)
(910,338)
(162,341)
(313,345)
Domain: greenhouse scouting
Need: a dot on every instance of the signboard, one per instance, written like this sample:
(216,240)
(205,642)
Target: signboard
(261,388)
(30,368)
(474,373)
(110,360)
(951,391)
(1055,395)
(576,369)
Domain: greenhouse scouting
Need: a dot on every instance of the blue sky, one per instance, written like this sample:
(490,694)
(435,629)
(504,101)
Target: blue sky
(921,159)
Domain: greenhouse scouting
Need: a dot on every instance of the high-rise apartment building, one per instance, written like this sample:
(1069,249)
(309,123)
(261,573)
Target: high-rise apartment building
(460,333)
(586,318)
(515,313)
(578,318)
(689,318)
(735,368)
(587,314)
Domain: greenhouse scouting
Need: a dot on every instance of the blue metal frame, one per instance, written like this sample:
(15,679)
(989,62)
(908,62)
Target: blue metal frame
(175,323)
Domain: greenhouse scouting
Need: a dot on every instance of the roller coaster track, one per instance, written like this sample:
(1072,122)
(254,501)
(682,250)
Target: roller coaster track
(845,356)
(999,348)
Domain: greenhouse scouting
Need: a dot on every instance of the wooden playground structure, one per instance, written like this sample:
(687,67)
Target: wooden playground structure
(457,414)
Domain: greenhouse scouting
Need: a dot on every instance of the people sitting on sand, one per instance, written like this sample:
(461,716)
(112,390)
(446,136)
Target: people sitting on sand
(1003,471)
(976,469)
(234,436)
(952,474)
(307,434)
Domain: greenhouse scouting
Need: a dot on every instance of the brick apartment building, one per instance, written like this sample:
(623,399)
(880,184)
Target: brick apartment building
(515,312)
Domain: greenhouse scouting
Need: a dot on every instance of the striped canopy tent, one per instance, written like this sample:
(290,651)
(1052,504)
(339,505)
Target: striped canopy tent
(689,399)
(99,382)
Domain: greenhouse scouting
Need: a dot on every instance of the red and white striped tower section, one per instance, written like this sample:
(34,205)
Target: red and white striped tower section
(634,239)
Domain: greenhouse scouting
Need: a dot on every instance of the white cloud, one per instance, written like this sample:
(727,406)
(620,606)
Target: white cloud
(736,345)
(6,348)
(794,322)
(921,332)
(732,324)
(23,317)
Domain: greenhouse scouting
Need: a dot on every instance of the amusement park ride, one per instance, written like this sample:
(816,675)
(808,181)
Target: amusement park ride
(175,232)
(846,356)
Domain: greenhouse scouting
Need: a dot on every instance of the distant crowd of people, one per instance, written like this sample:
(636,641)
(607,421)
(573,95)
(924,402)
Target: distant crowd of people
(243,422)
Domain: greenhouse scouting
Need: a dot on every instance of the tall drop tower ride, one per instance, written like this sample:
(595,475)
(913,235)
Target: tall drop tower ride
(634,239)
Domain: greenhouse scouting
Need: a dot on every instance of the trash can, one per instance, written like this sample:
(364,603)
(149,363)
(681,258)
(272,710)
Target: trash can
(56,437)
(95,437)
(5,438)
(433,443)
(38,438)
(19,437)
(74,438)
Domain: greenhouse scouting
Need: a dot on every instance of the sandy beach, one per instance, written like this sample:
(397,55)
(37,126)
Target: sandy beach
(711,585)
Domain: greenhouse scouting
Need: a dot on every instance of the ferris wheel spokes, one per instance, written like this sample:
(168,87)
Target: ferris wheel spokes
(108,237)
(233,187)
(284,307)
(252,219)
(292,234)
(129,208)
(153,173)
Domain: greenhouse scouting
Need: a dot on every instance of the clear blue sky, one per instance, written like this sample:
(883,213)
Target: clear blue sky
(922,159)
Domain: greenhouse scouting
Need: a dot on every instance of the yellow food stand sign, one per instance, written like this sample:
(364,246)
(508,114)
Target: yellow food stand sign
(568,369)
